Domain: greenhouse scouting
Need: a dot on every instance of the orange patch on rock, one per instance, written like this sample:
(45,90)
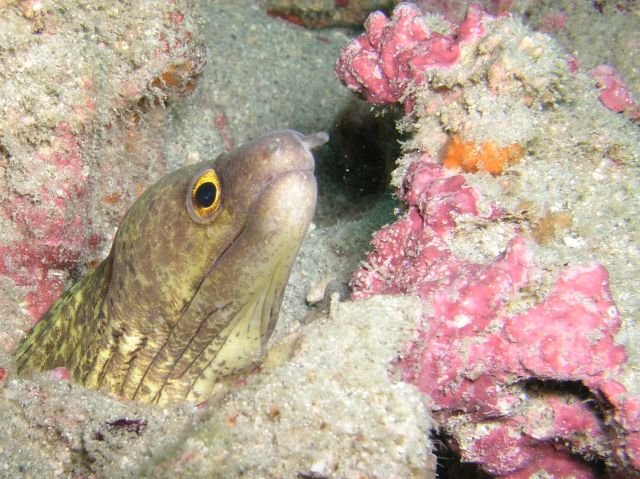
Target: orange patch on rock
(487,156)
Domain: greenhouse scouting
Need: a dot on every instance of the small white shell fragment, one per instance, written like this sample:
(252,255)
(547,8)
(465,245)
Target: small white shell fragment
(573,242)
(317,290)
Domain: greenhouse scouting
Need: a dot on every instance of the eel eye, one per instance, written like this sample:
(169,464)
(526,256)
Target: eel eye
(204,196)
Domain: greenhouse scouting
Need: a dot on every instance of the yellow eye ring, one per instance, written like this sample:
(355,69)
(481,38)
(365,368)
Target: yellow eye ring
(204,196)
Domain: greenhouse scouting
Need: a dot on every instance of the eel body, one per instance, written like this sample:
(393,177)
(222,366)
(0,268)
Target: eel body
(192,287)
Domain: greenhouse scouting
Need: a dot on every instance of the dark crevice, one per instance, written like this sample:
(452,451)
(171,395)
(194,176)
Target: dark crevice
(449,465)
(354,170)
(575,389)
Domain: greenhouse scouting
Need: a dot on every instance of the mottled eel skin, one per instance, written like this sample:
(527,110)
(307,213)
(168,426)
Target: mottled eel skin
(191,289)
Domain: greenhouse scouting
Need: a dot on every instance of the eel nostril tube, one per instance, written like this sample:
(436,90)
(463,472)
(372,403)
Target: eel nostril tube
(314,140)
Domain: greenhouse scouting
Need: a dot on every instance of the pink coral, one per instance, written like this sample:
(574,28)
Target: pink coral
(499,366)
(395,53)
(614,93)
(474,358)
(54,231)
(53,137)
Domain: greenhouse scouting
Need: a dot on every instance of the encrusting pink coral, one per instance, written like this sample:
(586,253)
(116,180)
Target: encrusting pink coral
(506,369)
(56,234)
(394,54)
(475,359)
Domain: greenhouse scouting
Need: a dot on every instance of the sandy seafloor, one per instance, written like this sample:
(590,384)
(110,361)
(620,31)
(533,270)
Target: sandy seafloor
(333,409)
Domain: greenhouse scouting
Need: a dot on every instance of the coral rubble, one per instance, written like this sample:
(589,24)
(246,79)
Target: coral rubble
(330,410)
(324,13)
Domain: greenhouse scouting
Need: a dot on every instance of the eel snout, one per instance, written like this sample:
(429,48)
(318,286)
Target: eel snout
(290,150)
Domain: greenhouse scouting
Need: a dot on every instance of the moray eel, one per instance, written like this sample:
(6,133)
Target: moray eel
(192,287)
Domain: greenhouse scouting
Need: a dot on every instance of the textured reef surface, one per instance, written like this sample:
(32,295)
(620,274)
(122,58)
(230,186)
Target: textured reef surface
(487,298)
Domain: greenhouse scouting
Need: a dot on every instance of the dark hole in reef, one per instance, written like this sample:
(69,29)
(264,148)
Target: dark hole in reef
(354,170)
(598,406)
(575,389)
(4,153)
(449,465)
